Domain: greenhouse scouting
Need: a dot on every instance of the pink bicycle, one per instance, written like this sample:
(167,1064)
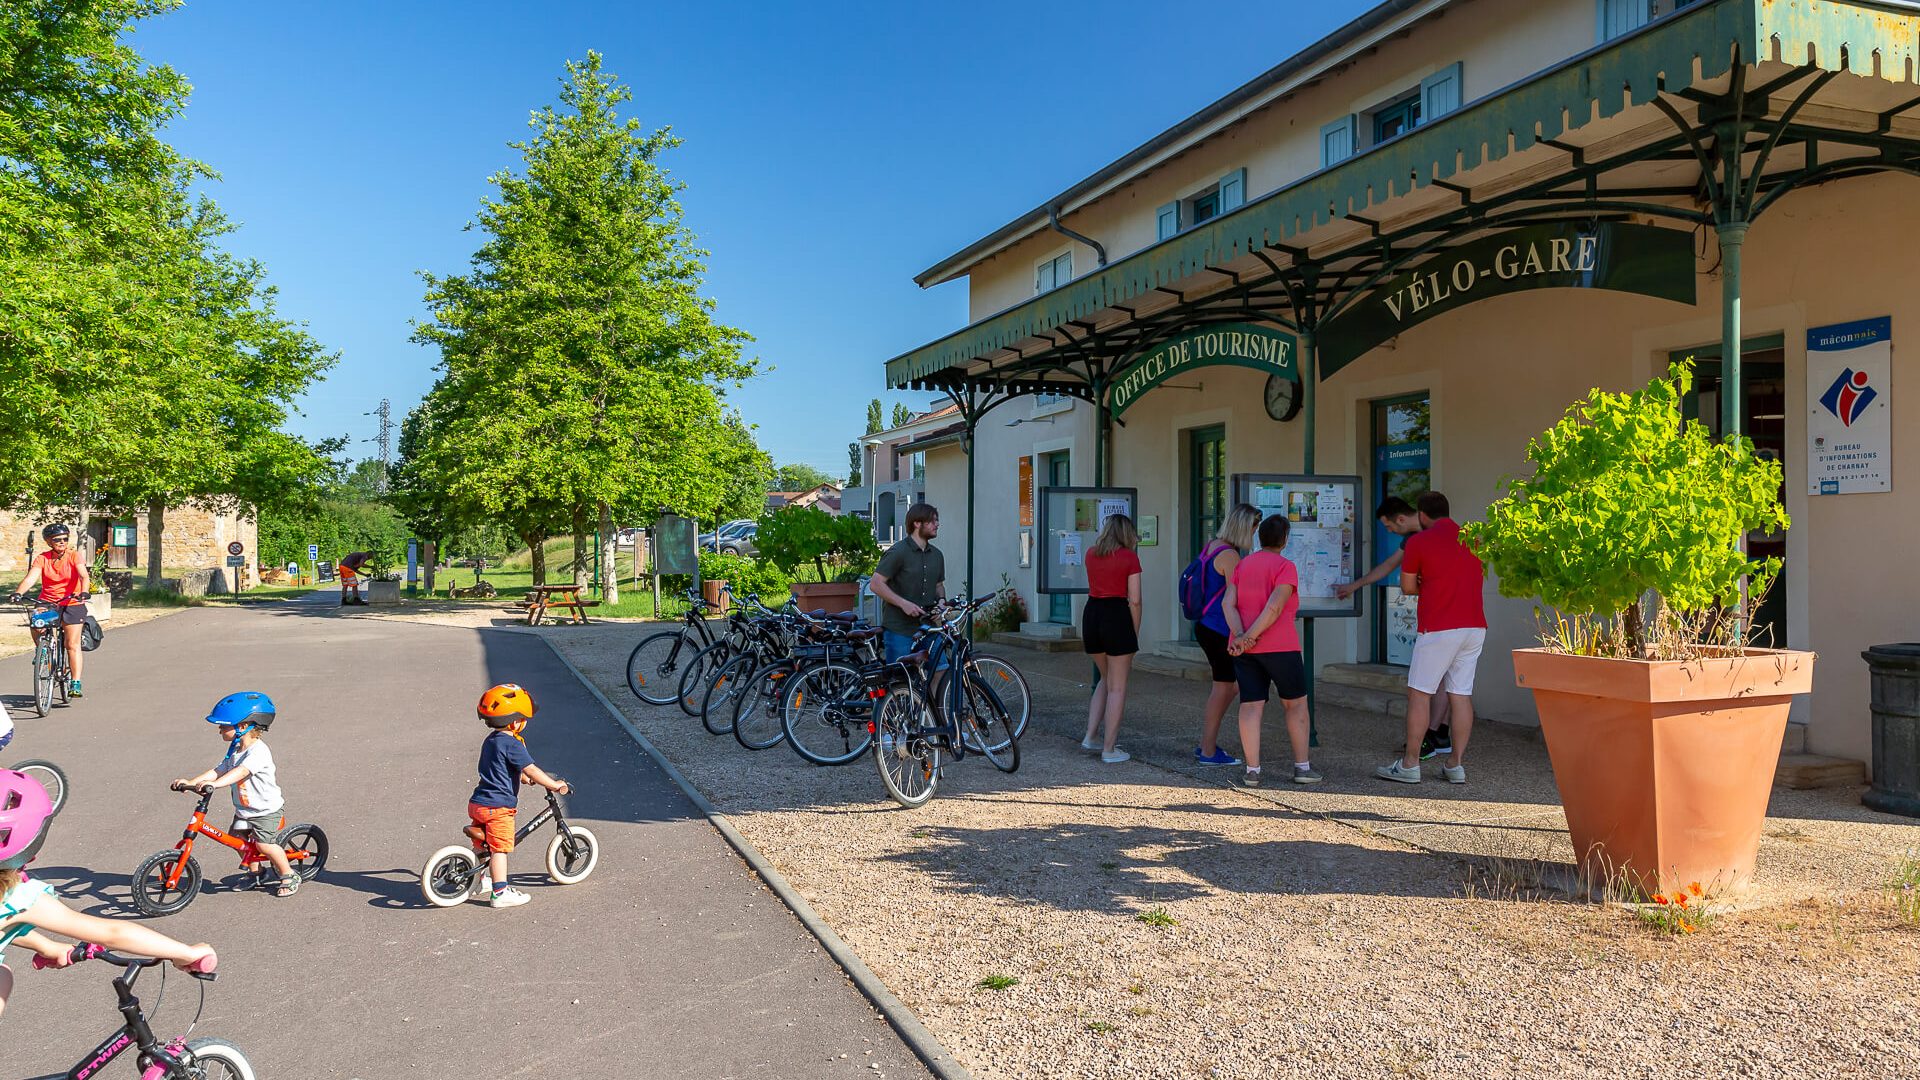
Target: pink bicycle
(176,1059)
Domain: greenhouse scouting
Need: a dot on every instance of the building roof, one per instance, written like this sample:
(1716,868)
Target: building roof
(1300,69)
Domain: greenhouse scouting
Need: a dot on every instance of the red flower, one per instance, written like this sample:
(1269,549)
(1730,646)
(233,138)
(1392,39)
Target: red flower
(1659,899)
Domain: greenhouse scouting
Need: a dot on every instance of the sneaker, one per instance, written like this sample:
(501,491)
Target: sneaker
(1115,756)
(1086,744)
(482,888)
(1427,746)
(1456,774)
(1397,771)
(1307,776)
(1218,757)
(1442,739)
(1250,778)
(509,897)
(73,689)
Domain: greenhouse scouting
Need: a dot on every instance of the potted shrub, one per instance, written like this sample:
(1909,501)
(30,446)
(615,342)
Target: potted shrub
(1664,726)
(839,551)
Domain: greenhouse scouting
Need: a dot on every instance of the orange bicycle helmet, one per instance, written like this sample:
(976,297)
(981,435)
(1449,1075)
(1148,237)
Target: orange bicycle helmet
(506,703)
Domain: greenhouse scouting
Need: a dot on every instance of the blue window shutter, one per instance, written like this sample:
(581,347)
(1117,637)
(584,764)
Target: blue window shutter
(1169,219)
(1616,17)
(1440,93)
(1233,190)
(1337,141)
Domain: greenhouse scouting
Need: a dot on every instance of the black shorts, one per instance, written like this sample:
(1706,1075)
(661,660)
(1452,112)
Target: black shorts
(1214,644)
(1107,626)
(1284,671)
(73,615)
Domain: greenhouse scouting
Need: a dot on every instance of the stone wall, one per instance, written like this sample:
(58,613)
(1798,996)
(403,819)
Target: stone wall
(195,539)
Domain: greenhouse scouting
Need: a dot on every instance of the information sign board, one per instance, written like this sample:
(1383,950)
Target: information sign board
(236,560)
(673,546)
(1322,541)
(1070,521)
(323,571)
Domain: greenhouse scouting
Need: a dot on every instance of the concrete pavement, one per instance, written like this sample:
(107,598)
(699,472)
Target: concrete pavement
(673,960)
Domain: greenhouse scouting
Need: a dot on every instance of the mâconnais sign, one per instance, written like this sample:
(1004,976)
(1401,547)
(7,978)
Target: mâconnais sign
(1849,418)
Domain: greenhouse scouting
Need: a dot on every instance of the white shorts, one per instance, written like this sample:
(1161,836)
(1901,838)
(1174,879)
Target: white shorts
(1449,654)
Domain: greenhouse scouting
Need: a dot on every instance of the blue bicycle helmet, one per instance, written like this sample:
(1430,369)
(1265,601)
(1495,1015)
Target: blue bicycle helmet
(248,707)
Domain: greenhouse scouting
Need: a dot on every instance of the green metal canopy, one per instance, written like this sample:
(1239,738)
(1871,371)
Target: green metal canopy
(1699,56)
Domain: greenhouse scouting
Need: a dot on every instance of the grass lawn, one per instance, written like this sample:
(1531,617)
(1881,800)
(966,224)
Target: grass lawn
(636,601)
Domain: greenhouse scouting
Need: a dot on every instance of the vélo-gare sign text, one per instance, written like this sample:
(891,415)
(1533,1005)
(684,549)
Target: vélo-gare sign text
(1642,259)
(1236,344)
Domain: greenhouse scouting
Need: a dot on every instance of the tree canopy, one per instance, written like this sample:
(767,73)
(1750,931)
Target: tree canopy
(583,371)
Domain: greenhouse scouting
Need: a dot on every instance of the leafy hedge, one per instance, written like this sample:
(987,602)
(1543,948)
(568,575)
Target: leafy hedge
(758,576)
(339,526)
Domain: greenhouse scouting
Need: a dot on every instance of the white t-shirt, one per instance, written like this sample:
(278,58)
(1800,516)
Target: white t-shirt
(6,724)
(259,794)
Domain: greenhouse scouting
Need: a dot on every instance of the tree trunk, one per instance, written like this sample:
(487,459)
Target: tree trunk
(156,534)
(580,545)
(1635,629)
(609,555)
(537,547)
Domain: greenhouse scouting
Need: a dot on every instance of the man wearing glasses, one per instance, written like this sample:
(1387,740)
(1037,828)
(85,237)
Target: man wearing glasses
(62,578)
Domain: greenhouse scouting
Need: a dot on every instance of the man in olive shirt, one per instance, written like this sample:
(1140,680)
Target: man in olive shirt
(911,577)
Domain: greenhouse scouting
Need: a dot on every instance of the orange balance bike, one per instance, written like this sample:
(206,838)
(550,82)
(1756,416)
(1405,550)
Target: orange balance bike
(167,881)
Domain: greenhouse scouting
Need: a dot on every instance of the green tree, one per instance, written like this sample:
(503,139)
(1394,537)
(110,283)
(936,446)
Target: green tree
(874,421)
(798,477)
(901,414)
(583,369)
(853,464)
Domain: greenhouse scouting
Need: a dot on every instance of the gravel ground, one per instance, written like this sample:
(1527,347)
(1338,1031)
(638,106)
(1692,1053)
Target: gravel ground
(1283,935)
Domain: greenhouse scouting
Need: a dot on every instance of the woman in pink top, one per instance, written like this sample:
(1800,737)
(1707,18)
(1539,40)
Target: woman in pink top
(1263,597)
(1111,626)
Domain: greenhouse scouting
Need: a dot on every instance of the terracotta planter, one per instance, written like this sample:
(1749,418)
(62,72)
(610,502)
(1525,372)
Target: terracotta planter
(1664,766)
(831,597)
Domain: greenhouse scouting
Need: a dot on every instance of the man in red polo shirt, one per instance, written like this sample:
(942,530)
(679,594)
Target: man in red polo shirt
(1452,629)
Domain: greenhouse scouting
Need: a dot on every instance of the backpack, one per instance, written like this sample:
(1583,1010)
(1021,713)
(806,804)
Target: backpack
(91,635)
(1194,599)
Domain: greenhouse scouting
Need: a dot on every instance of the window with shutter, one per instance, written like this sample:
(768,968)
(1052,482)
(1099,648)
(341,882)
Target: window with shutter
(1336,141)
(1617,17)
(1168,218)
(1440,93)
(1233,190)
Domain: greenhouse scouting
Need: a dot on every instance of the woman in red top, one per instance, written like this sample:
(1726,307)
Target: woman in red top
(62,579)
(1263,599)
(1111,626)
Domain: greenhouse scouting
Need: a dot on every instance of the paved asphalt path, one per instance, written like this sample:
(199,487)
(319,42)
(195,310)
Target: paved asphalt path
(672,960)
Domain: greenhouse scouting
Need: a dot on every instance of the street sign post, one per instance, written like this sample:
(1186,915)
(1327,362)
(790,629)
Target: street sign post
(235,549)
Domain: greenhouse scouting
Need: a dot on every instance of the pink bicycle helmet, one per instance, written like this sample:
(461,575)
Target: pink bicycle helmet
(25,810)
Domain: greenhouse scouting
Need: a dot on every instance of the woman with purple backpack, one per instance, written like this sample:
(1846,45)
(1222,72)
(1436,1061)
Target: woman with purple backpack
(1214,567)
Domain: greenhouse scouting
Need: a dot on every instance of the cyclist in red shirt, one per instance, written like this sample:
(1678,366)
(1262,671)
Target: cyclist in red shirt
(62,579)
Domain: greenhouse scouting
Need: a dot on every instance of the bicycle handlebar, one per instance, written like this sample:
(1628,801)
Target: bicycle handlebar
(85,950)
(202,968)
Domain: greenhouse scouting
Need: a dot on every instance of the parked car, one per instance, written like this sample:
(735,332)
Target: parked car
(711,541)
(742,542)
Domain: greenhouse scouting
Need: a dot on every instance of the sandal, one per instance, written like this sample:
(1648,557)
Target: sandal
(288,886)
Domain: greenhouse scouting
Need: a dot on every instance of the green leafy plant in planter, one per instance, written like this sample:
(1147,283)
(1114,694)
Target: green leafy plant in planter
(758,576)
(1664,727)
(797,536)
(1632,505)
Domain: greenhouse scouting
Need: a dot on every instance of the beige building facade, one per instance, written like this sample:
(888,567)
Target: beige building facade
(193,539)
(1323,188)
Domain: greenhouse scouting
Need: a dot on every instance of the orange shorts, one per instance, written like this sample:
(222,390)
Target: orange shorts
(495,823)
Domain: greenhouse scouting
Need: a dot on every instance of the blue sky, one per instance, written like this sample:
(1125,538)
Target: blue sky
(832,151)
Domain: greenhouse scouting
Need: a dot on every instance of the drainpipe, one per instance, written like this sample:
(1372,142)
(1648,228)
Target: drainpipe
(1053,222)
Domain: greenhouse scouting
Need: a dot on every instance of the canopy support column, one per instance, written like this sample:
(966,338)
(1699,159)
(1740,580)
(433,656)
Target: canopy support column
(1306,310)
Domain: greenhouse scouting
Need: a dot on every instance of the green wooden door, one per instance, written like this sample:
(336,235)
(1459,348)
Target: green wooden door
(1206,485)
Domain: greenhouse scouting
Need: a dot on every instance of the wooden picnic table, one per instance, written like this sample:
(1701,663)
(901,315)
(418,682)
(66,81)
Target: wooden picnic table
(565,599)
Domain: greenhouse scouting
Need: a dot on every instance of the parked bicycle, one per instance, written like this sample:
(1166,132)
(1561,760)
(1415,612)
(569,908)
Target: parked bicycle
(656,664)
(180,1058)
(447,878)
(52,672)
(823,664)
(930,707)
(167,881)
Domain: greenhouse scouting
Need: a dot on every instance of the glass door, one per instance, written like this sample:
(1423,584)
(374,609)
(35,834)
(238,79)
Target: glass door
(1402,428)
(1763,416)
(1059,473)
(1206,487)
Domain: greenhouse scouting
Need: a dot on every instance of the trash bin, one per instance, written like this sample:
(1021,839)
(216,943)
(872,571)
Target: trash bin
(1894,672)
(710,592)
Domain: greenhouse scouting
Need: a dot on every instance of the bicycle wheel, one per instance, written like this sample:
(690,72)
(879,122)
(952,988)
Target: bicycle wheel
(1009,686)
(693,681)
(217,1059)
(717,702)
(824,712)
(306,848)
(447,878)
(756,708)
(42,680)
(150,892)
(570,858)
(983,721)
(653,667)
(49,776)
(907,756)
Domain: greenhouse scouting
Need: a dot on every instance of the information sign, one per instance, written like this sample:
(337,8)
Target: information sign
(1849,407)
(1322,539)
(313,553)
(1070,521)
(236,560)
(673,546)
(323,571)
